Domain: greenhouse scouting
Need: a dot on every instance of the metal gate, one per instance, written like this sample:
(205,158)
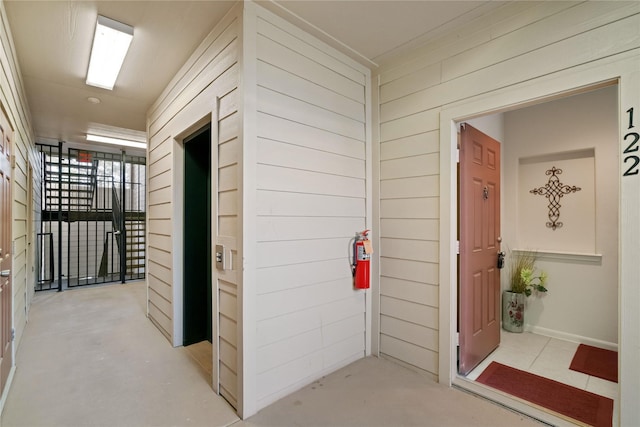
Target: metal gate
(93,218)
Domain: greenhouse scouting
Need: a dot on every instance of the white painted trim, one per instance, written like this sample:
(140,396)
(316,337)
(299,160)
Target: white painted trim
(621,68)
(215,304)
(371,292)
(448,313)
(177,205)
(177,232)
(146,225)
(629,255)
(247,189)
(570,337)
(574,257)
(375,224)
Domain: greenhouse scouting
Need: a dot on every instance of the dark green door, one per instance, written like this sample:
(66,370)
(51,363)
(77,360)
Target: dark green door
(197,237)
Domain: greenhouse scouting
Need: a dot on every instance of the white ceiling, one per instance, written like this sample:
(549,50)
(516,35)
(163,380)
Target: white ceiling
(53,43)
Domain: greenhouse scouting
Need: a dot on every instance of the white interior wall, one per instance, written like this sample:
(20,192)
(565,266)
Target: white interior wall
(311,191)
(523,52)
(579,287)
(492,125)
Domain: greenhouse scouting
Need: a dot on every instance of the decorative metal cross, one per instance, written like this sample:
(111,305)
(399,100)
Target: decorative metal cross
(554,191)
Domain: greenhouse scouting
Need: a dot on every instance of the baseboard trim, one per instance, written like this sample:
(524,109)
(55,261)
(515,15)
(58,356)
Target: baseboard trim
(571,337)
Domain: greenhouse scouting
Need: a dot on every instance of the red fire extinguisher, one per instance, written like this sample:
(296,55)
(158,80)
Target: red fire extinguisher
(362,251)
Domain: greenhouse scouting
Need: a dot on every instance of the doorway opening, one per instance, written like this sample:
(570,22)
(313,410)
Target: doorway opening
(197,302)
(534,139)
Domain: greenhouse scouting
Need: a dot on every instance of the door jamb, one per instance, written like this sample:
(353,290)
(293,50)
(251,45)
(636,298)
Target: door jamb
(178,237)
(178,233)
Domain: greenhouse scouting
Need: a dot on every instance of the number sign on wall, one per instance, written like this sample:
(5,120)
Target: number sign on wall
(631,159)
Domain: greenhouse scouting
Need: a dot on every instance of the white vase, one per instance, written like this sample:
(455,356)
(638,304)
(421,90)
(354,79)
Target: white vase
(513,311)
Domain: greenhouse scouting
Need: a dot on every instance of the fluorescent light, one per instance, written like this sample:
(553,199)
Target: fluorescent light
(110,45)
(116,141)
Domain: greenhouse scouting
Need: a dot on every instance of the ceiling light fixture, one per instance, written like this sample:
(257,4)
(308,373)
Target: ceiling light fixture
(116,141)
(110,45)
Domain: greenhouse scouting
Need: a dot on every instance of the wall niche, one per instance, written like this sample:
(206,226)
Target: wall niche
(556,202)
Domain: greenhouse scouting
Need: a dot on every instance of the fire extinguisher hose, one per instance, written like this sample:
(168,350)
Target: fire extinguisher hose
(351,253)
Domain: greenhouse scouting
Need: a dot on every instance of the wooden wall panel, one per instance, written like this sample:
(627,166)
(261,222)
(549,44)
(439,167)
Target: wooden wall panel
(300,88)
(279,278)
(309,114)
(424,207)
(410,353)
(311,193)
(227,233)
(283,203)
(414,145)
(206,85)
(278,328)
(292,156)
(283,130)
(421,336)
(26,204)
(308,48)
(272,228)
(275,178)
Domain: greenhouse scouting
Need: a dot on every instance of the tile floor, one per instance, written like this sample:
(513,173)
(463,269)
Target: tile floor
(547,357)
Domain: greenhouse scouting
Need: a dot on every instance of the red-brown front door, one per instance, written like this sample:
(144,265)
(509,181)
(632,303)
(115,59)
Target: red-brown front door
(479,279)
(6,354)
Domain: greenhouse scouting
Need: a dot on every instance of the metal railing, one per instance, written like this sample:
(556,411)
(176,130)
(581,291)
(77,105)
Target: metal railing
(89,200)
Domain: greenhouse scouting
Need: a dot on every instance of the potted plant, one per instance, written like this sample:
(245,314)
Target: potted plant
(525,279)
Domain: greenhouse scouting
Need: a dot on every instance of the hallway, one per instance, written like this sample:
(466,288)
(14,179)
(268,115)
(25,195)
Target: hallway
(90,357)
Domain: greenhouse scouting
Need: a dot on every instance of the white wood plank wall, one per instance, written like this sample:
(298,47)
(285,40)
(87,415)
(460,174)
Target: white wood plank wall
(516,43)
(227,235)
(190,98)
(13,101)
(310,202)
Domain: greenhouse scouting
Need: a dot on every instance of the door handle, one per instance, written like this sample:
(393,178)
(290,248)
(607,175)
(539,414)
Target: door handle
(5,273)
(500,260)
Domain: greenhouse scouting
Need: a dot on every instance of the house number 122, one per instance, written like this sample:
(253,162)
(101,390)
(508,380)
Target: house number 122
(631,151)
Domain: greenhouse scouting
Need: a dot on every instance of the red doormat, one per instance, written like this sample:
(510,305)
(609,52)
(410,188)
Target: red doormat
(564,399)
(597,362)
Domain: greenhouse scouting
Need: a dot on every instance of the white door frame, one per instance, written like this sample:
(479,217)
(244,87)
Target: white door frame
(178,233)
(621,68)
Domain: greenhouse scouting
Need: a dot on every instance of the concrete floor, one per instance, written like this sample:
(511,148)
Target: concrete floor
(90,357)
